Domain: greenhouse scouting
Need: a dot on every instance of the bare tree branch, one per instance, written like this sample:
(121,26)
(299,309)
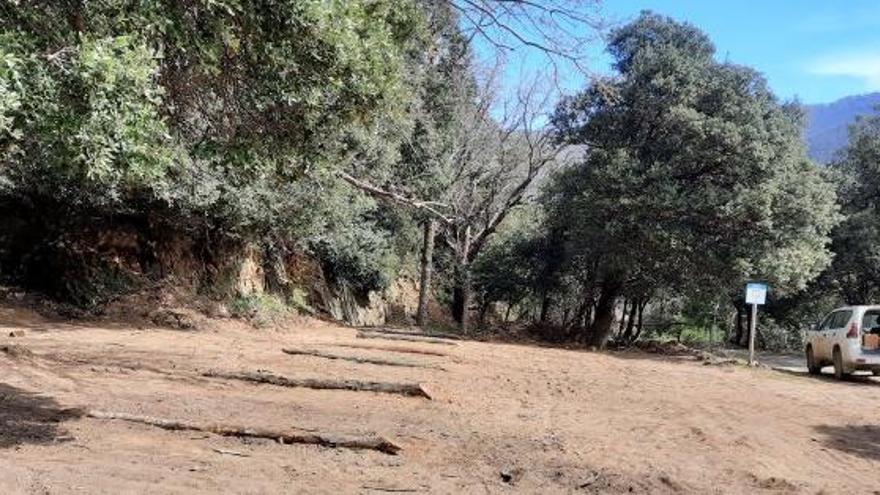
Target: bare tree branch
(562,30)
(427,206)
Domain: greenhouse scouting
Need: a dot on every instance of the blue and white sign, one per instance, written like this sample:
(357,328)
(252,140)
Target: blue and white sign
(756,293)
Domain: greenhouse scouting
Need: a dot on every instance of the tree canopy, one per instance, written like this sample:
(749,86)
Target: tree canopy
(694,174)
(343,129)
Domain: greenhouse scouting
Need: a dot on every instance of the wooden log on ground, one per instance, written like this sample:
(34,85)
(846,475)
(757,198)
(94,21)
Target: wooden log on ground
(359,359)
(391,348)
(409,389)
(408,338)
(415,333)
(286,437)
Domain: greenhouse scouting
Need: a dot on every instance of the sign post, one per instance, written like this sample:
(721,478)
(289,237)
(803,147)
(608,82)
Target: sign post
(756,293)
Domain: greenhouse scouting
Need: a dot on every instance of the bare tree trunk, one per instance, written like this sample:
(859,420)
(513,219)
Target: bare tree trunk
(463,294)
(457,297)
(580,315)
(640,321)
(585,315)
(545,307)
(466,297)
(484,308)
(427,270)
(744,341)
(631,321)
(600,330)
(737,338)
(590,316)
(622,317)
(642,313)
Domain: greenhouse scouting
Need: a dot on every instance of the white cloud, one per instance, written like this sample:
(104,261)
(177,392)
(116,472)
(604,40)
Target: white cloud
(864,66)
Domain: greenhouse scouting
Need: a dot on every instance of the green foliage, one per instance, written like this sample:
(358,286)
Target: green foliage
(89,284)
(509,268)
(298,299)
(230,117)
(856,268)
(262,310)
(692,179)
(84,122)
(696,176)
(522,264)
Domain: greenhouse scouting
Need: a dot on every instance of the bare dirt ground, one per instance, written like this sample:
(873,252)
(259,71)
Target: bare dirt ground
(503,418)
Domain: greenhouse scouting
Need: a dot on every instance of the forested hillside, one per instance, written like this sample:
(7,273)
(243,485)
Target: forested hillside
(828,124)
(235,148)
(331,156)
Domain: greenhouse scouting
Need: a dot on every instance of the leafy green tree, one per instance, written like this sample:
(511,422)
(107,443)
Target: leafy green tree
(227,117)
(520,266)
(695,174)
(856,267)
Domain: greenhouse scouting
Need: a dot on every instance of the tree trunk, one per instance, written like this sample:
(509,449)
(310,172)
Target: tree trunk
(580,315)
(358,359)
(457,297)
(600,330)
(545,307)
(466,296)
(427,270)
(462,293)
(742,331)
(739,325)
(409,338)
(640,321)
(590,316)
(405,388)
(484,308)
(585,316)
(622,320)
(631,321)
(744,341)
(289,436)
(642,314)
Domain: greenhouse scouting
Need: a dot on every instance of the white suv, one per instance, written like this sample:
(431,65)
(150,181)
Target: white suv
(847,339)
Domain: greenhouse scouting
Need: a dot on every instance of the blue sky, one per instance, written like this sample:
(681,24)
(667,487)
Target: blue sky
(816,50)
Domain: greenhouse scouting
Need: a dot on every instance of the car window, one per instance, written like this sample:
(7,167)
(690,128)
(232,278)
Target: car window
(826,323)
(841,318)
(871,319)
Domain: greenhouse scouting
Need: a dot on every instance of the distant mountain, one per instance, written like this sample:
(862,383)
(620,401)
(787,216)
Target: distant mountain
(827,124)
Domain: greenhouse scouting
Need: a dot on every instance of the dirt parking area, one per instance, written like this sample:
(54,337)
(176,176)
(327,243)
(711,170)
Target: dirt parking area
(498,418)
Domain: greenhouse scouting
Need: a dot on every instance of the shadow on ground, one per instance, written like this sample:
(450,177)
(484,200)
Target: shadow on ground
(28,418)
(859,440)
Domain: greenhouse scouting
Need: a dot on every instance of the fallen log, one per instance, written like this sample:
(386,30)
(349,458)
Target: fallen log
(359,359)
(409,389)
(395,331)
(285,437)
(391,348)
(231,452)
(408,338)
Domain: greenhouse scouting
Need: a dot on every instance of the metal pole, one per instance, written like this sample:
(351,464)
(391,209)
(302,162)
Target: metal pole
(752,324)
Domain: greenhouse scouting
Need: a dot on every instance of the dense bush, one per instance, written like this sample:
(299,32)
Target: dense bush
(227,119)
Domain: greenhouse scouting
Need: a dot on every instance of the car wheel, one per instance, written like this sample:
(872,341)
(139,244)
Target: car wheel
(812,366)
(839,372)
